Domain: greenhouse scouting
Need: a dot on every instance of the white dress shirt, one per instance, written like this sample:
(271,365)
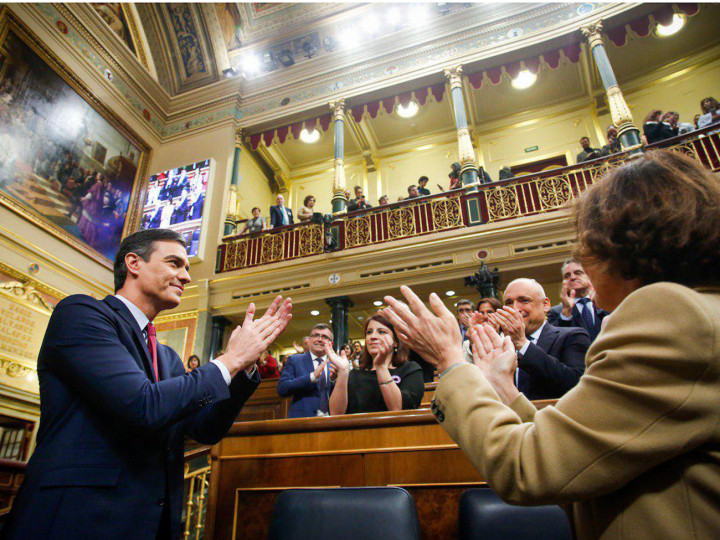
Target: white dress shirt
(532,338)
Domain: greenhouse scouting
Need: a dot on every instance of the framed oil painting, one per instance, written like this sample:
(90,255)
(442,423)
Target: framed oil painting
(67,163)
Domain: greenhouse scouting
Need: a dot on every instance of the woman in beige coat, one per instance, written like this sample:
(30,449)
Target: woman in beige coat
(634,449)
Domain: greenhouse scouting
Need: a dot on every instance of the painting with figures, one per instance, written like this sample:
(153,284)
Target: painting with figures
(58,156)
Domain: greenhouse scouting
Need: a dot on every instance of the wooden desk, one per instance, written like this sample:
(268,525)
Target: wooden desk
(264,404)
(257,460)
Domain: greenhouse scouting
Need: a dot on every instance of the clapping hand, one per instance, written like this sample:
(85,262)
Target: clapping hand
(567,298)
(435,337)
(511,323)
(384,356)
(496,358)
(337,361)
(249,340)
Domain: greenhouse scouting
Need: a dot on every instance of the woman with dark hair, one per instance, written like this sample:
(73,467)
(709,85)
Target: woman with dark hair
(657,127)
(193,362)
(386,379)
(634,449)
(267,366)
(710,112)
(306,210)
(256,224)
(482,315)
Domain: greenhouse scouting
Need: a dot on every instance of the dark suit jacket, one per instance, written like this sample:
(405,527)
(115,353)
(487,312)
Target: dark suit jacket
(295,381)
(576,320)
(554,365)
(109,454)
(276,219)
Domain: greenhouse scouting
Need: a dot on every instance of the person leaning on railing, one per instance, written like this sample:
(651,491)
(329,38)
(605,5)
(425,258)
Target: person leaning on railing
(256,224)
(385,381)
(306,210)
(634,448)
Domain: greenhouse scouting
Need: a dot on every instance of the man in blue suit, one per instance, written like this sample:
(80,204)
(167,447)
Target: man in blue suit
(280,215)
(306,377)
(116,405)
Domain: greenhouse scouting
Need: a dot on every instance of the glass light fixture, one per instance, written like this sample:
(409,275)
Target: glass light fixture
(678,21)
(377,303)
(250,63)
(449,293)
(314,313)
(409,111)
(309,137)
(524,80)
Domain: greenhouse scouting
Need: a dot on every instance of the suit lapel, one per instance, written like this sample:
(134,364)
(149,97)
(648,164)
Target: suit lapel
(163,363)
(547,337)
(309,363)
(145,362)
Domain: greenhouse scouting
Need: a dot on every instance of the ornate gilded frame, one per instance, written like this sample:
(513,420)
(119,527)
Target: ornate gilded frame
(10,23)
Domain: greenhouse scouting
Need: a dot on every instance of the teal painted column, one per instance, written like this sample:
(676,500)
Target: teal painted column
(469,173)
(628,133)
(231,211)
(339,199)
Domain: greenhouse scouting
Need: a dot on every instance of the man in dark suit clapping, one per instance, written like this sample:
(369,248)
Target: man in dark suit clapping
(550,359)
(116,405)
(577,307)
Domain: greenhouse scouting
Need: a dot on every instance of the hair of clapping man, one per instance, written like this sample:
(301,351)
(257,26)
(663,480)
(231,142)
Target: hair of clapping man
(142,243)
(656,218)
(401,353)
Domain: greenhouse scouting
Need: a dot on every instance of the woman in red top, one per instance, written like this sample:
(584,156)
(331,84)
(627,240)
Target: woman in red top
(268,367)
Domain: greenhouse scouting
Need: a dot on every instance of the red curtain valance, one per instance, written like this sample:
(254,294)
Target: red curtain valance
(642,26)
(388,103)
(267,137)
(550,58)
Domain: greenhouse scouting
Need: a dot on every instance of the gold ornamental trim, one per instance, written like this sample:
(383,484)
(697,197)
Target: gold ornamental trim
(31,282)
(26,293)
(593,34)
(454,76)
(177,317)
(619,110)
(466,153)
(338,109)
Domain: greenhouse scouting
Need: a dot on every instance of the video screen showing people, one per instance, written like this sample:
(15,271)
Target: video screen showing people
(175,200)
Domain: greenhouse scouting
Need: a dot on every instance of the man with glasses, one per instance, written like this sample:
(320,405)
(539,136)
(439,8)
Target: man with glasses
(306,377)
(464,309)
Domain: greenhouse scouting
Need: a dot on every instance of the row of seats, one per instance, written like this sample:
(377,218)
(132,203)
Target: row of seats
(389,513)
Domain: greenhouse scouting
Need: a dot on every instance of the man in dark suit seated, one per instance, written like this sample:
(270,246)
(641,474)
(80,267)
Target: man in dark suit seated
(280,214)
(116,405)
(306,377)
(550,359)
(576,307)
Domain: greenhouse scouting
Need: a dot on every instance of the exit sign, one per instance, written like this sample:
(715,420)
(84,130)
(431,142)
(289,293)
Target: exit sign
(531,148)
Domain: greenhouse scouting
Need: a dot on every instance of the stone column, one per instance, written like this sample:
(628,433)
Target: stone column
(216,337)
(466,155)
(628,133)
(339,310)
(339,200)
(231,211)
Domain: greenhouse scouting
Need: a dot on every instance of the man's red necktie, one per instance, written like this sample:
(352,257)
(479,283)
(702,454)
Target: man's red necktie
(152,345)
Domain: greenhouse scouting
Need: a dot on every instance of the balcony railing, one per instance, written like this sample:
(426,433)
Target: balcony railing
(517,197)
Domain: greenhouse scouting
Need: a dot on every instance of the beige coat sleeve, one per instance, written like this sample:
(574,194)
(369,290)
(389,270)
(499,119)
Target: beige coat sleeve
(650,393)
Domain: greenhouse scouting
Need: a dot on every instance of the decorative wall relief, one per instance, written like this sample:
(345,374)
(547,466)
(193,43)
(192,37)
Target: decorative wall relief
(192,55)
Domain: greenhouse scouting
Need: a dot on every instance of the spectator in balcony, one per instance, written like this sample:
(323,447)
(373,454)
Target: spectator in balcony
(193,362)
(280,214)
(696,119)
(631,451)
(359,202)
(506,173)
(613,145)
(256,224)
(588,152)
(386,379)
(484,176)
(382,201)
(658,126)
(422,182)
(268,366)
(464,310)
(413,192)
(683,127)
(710,112)
(306,210)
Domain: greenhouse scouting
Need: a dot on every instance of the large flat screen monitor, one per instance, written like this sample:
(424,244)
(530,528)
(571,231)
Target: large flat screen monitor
(176,199)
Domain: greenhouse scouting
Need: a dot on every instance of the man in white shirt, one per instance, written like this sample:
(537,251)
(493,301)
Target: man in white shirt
(280,214)
(306,377)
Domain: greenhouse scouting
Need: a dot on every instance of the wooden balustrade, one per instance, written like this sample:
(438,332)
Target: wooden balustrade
(517,197)
(196,488)
(12,473)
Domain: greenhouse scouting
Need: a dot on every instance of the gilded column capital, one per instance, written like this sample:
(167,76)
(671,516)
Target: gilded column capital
(239,137)
(454,76)
(338,109)
(593,33)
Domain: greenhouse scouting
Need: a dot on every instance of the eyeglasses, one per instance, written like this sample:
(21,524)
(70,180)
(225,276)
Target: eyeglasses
(320,336)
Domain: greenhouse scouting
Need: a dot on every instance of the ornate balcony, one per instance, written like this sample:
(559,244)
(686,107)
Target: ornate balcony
(522,196)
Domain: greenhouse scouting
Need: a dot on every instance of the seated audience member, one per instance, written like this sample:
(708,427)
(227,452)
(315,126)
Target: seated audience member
(613,145)
(464,309)
(710,112)
(350,355)
(255,224)
(506,173)
(280,214)
(267,366)
(576,307)
(658,126)
(382,201)
(588,152)
(485,307)
(386,380)
(484,176)
(358,349)
(306,377)
(550,359)
(193,362)
(359,202)
(413,192)
(306,210)
(422,182)
(632,451)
